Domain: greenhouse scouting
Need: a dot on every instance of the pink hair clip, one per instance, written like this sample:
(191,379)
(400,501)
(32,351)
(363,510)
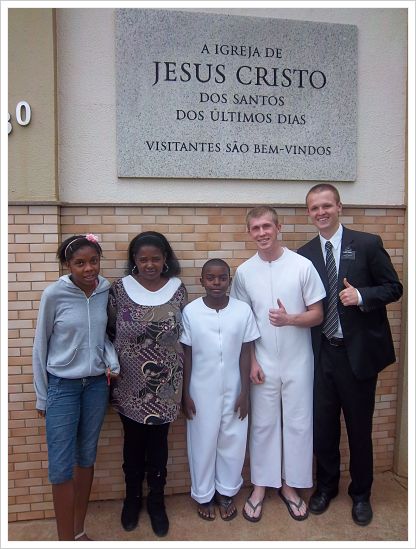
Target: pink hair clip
(92,238)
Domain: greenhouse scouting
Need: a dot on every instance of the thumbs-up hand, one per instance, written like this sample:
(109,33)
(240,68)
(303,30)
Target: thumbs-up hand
(348,295)
(278,317)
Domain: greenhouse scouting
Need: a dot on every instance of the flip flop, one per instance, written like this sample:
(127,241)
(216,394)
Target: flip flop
(254,508)
(224,503)
(298,505)
(207,507)
(82,536)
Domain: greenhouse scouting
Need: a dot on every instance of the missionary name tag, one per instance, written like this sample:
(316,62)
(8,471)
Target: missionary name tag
(348,253)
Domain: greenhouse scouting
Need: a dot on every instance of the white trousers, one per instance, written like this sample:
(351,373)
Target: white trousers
(281,432)
(216,450)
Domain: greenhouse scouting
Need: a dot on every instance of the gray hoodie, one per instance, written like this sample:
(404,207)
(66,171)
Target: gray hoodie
(70,339)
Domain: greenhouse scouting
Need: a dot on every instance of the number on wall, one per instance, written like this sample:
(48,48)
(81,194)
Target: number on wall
(23,115)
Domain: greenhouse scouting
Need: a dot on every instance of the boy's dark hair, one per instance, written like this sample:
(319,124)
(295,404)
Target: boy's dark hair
(72,244)
(215,262)
(320,187)
(153,238)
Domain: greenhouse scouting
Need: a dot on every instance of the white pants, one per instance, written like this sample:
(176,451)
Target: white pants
(216,451)
(281,432)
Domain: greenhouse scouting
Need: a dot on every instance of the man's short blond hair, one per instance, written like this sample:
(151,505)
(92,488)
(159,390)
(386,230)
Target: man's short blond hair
(320,187)
(259,211)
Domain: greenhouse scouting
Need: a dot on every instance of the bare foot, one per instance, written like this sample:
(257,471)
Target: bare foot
(226,506)
(256,497)
(297,505)
(206,510)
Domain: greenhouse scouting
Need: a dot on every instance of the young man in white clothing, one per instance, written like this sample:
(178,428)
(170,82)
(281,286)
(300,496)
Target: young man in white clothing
(217,335)
(285,293)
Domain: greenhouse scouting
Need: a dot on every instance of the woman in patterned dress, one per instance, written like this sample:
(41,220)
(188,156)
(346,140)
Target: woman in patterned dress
(145,322)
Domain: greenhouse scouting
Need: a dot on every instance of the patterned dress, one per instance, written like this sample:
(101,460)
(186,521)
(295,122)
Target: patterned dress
(146,338)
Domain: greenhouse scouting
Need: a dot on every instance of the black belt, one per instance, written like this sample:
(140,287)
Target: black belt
(334,341)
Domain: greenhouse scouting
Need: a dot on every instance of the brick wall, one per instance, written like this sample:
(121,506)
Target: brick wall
(196,234)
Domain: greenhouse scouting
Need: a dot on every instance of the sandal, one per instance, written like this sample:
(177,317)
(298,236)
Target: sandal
(298,505)
(254,508)
(206,510)
(225,503)
(82,536)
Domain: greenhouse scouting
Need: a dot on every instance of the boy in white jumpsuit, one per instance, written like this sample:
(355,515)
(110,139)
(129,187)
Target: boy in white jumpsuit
(217,331)
(285,294)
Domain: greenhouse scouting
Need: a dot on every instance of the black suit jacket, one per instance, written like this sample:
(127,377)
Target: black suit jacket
(367,266)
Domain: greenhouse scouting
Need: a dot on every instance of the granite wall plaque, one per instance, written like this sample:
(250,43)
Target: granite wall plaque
(222,96)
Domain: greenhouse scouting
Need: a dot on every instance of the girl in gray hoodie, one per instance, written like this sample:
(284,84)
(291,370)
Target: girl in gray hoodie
(73,360)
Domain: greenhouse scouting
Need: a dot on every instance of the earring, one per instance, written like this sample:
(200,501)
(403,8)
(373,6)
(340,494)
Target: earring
(134,270)
(165,268)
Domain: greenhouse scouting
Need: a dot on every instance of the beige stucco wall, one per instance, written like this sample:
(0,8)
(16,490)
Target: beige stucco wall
(32,148)
(87,116)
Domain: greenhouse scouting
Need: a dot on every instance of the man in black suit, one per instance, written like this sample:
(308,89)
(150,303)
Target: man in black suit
(352,345)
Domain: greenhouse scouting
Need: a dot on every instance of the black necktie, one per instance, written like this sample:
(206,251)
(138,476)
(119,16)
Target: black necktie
(331,321)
